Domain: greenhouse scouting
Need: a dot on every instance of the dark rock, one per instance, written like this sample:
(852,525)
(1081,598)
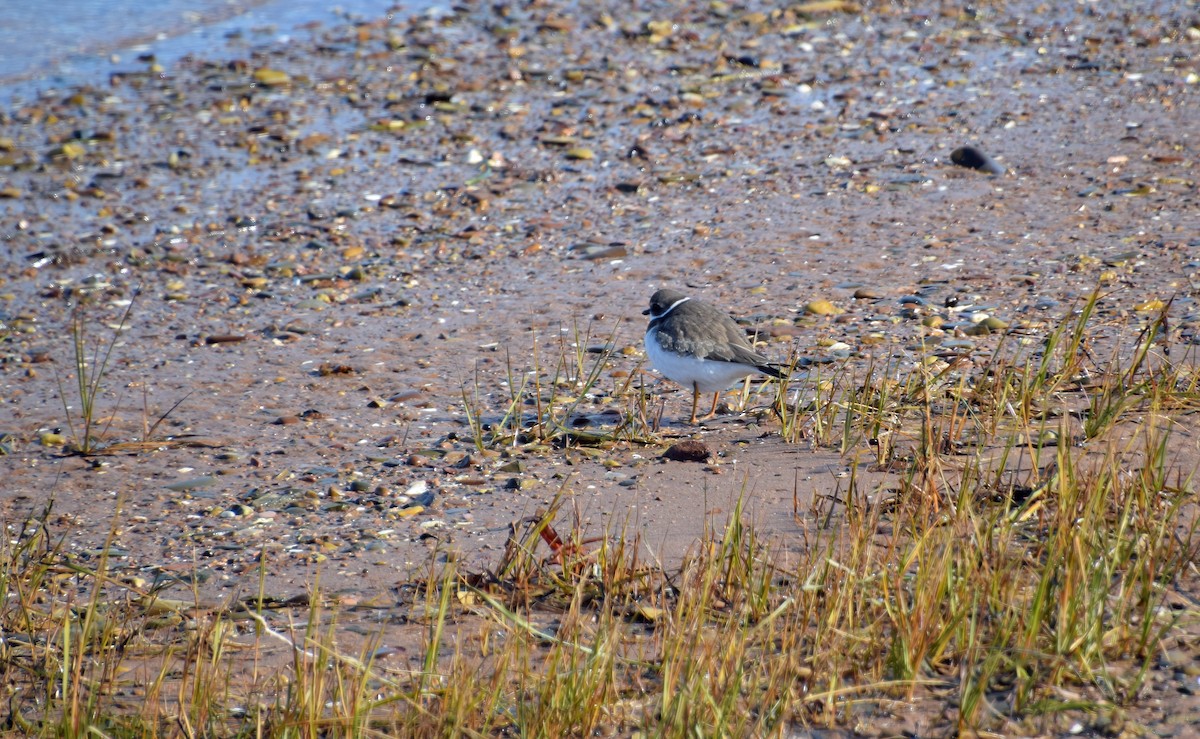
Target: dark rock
(972,158)
(687,451)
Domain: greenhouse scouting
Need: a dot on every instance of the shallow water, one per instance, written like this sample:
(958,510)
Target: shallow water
(85,38)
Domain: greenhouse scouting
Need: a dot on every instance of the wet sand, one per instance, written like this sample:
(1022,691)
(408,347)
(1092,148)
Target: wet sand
(343,254)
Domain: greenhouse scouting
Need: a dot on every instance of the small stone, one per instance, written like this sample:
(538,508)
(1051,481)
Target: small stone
(687,451)
(456,458)
(784,331)
(424,499)
(972,158)
(989,325)
(417,489)
(822,308)
(51,439)
(271,77)
(194,483)
(598,252)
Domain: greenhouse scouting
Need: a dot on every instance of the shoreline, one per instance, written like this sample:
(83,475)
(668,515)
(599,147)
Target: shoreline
(375,297)
(216,36)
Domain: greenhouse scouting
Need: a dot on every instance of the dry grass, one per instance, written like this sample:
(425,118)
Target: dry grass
(1026,567)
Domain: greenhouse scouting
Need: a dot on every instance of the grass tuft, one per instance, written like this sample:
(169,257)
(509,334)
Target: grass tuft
(91,367)
(1022,575)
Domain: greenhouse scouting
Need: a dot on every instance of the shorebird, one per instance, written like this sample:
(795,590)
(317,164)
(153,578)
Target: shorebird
(699,346)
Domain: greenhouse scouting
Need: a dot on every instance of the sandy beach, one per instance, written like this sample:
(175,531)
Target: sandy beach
(332,273)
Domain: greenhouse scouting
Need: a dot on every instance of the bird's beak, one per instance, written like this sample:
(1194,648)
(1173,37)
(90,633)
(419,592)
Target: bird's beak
(646,312)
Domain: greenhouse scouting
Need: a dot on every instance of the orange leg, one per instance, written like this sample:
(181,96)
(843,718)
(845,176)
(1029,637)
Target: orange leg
(696,400)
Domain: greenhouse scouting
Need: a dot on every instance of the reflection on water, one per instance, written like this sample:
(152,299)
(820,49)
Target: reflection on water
(79,37)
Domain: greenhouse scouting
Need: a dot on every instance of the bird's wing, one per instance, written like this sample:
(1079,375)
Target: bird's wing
(740,350)
(688,340)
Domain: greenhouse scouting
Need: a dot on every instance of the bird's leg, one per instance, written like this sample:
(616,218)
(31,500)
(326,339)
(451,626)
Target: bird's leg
(695,400)
(712,413)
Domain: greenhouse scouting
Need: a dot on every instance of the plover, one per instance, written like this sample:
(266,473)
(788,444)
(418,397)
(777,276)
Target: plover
(699,346)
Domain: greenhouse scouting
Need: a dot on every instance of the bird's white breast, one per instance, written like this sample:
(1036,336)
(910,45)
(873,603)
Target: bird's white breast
(705,375)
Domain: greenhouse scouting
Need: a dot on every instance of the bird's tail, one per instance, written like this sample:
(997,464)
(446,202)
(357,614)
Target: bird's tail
(774,370)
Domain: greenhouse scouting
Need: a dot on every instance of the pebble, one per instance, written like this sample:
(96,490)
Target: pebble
(963,344)
(822,308)
(988,325)
(1146,306)
(456,458)
(194,483)
(271,77)
(972,158)
(598,252)
(784,331)
(688,451)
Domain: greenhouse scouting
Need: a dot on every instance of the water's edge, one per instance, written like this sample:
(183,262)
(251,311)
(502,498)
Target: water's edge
(89,39)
